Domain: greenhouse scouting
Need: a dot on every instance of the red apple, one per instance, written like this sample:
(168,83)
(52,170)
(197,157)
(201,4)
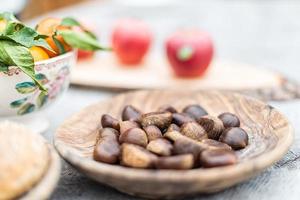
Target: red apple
(189,52)
(131,40)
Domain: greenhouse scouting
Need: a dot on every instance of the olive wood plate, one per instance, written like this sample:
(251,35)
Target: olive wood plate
(44,188)
(270,136)
(104,71)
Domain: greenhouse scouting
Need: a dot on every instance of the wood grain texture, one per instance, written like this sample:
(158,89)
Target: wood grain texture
(270,137)
(155,73)
(47,184)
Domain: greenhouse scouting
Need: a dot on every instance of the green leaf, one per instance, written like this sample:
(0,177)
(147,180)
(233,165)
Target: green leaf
(26,87)
(12,54)
(59,45)
(27,108)
(81,40)
(8,16)
(185,53)
(18,103)
(91,34)
(24,35)
(3,67)
(69,21)
(13,26)
(42,43)
(41,37)
(42,99)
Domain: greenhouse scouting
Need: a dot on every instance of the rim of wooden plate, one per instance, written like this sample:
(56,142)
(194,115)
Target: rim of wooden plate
(235,173)
(44,188)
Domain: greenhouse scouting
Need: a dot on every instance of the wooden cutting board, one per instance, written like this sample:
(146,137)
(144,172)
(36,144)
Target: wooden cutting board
(104,71)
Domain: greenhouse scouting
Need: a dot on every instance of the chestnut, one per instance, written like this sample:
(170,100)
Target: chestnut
(235,137)
(173,127)
(166,139)
(160,146)
(160,119)
(214,144)
(175,162)
(108,121)
(130,113)
(108,132)
(173,135)
(126,125)
(107,148)
(193,130)
(134,136)
(136,156)
(229,120)
(181,118)
(152,132)
(194,111)
(212,125)
(167,108)
(186,145)
(217,157)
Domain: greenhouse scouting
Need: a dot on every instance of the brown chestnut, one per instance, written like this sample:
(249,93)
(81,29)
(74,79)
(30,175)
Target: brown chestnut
(229,120)
(160,146)
(136,156)
(173,135)
(175,162)
(235,137)
(160,119)
(126,125)
(107,148)
(217,157)
(214,144)
(187,145)
(130,113)
(181,118)
(134,136)
(173,127)
(108,132)
(167,108)
(194,111)
(108,121)
(193,130)
(152,132)
(212,125)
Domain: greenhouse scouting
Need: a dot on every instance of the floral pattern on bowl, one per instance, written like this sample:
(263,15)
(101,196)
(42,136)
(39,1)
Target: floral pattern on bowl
(36,98)
(19,95)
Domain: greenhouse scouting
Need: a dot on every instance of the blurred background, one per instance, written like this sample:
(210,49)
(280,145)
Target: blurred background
(263,33)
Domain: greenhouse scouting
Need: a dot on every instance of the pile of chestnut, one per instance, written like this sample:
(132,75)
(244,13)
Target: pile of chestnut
(167,139)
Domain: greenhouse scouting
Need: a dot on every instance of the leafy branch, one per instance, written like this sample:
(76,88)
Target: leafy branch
(15,41)
(13,54)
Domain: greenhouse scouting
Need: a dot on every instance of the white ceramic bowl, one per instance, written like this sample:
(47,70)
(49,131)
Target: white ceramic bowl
(19,96)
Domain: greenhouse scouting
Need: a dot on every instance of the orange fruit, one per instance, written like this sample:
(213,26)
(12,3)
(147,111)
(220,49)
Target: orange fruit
(38,53)
(48,26)
(52,44)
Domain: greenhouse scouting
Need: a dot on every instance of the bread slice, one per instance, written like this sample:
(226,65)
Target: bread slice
(24,157)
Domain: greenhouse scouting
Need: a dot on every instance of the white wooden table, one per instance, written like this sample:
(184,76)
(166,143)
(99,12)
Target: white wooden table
(263,33)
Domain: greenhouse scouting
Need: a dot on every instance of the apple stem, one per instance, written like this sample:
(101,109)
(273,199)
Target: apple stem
(185,53)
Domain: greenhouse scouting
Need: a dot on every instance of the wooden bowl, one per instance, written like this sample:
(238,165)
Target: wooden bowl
(47,184)
(270,136)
